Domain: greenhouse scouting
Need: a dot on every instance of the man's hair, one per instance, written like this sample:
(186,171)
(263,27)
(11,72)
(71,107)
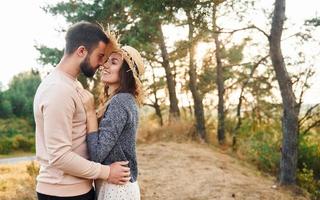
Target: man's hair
(84,34)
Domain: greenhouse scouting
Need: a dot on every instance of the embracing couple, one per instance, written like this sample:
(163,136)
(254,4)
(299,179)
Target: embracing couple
(72,147)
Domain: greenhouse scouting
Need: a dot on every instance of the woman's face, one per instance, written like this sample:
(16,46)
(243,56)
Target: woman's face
(110,70)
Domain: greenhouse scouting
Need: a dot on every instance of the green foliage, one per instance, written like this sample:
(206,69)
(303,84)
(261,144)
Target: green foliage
(261,146)
(16,134)
(5,108)
(5,145)
(14,126)
(313,22)
(207,78)
(306,179)
(49,56)
(309,155)
(18,99)
(266,151)
(21,142)
(234,54)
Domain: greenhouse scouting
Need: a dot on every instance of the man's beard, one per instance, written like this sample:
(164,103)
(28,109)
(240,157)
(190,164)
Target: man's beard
(86,68)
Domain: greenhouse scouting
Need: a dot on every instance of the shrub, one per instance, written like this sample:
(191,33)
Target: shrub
(306,179)
(5,145)
(309,155)
(267,156)
(21,142)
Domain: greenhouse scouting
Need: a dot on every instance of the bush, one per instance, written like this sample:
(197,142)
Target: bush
(5,145)
(306,179)
(14,126)
(267,155)
(309,155)
(261,147)
(20,142)
(309,165)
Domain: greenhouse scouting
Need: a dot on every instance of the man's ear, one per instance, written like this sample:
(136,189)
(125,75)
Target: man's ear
(82,51)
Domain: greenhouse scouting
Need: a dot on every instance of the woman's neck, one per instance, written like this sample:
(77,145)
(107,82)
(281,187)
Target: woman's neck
(112,89)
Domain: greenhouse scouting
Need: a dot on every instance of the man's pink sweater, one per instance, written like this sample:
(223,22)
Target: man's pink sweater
(61,147)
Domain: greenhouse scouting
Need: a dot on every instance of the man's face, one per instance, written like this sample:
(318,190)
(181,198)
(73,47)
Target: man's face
(93,60)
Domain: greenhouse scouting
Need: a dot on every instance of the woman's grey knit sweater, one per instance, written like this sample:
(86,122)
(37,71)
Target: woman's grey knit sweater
(116,138)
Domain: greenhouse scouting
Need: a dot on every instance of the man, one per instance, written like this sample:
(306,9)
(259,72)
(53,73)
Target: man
(65,172)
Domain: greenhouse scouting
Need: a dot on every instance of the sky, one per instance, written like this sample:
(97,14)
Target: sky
(24,25)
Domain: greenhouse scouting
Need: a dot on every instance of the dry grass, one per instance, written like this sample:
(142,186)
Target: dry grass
(178,131)
(17,181)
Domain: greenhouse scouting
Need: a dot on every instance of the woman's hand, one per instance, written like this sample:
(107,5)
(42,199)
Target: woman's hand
(88,103)
(87,100)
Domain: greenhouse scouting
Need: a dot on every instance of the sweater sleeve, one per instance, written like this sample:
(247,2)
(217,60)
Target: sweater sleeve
(100,143)
(58,110)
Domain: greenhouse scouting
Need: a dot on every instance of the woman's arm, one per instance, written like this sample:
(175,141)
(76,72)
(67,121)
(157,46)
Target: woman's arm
(102,140)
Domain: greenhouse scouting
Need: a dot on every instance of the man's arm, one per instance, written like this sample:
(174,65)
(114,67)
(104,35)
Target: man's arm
(58,112)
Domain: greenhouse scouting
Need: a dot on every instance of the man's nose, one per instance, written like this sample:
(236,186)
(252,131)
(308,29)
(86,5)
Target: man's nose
(101,63)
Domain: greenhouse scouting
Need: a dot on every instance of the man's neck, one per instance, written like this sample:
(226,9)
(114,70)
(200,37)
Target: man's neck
(69,66)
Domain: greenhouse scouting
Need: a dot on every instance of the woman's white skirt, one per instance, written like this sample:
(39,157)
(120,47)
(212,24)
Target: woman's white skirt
(108,191)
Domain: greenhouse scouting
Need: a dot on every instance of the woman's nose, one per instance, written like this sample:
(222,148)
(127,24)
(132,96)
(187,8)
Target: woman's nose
(105,66)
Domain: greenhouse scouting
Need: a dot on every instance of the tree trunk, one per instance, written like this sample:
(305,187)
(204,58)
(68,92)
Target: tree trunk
(158,111)
(288,162)
(219,81)
(174,112)
(197,99)
(156,104)
(239,106)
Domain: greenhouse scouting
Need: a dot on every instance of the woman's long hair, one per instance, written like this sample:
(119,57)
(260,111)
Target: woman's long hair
(128,84)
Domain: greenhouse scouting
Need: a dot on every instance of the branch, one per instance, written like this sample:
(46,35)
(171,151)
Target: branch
(304,86)
(149,104)
(246,28)
(262,31)
(308,114)
(314,124)
(235,30)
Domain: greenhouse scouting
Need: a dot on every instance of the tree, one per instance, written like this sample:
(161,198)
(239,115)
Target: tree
(219,77)
(5,106)
(289,152)
(20,94)
(174,109)
(194,18)
(152,91)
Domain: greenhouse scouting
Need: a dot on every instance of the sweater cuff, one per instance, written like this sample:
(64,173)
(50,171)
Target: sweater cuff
(92,137)
(104,172)
(92,133)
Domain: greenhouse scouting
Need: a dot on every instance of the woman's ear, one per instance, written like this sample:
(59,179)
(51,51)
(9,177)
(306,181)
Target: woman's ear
(82,51)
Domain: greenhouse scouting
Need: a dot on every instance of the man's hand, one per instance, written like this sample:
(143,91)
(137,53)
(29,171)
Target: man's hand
(119,173)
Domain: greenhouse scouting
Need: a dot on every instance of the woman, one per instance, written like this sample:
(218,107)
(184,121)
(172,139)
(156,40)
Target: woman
(115,138)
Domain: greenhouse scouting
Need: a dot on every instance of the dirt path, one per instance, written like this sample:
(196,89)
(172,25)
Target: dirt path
(16,160)
(196,172)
